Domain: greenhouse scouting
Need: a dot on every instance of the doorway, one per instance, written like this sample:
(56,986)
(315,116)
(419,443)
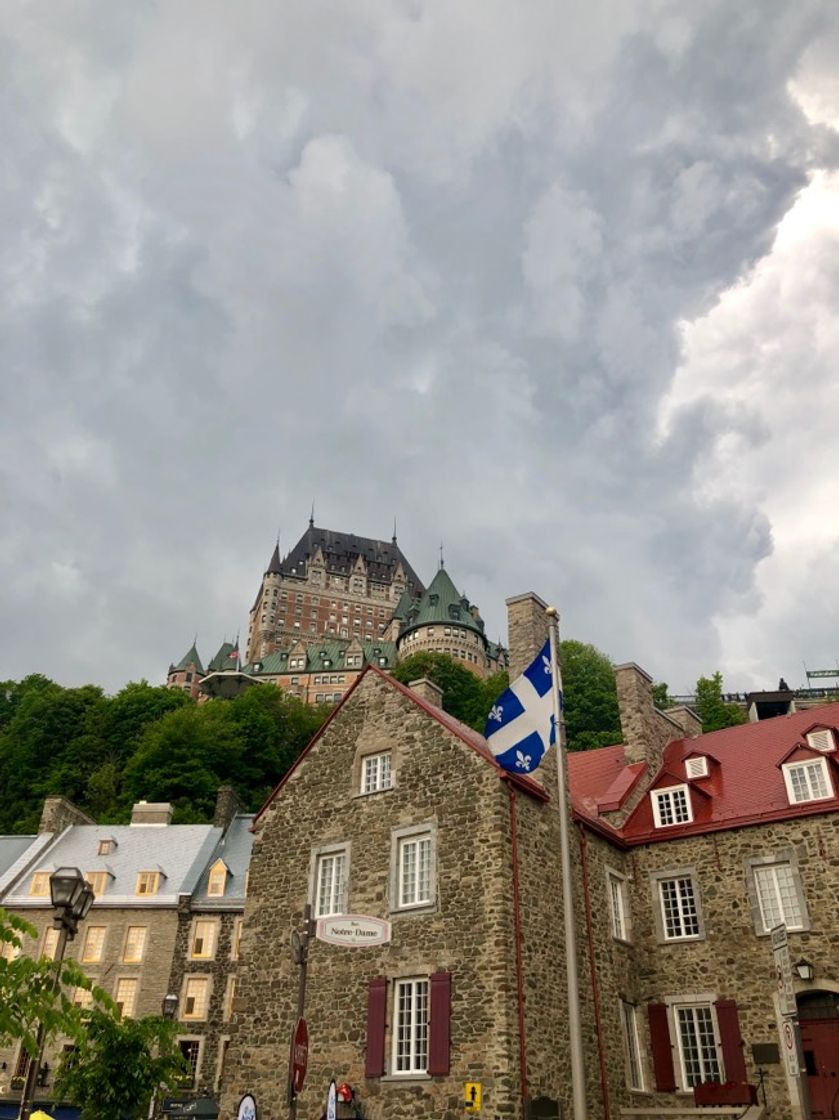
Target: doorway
(818,1014)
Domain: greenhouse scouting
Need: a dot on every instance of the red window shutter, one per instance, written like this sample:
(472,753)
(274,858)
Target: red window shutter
(665,1080)
(439,1028)
(728,1022)
(376,1010)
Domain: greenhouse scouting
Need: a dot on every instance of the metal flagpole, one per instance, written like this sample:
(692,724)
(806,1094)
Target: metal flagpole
(578,1084)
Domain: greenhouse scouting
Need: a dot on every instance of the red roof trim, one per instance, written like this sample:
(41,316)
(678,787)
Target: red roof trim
(679,832)
(800,748)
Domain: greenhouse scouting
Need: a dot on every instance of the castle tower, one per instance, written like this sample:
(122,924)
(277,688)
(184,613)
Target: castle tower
(444,621)
(264,612)
(187,673)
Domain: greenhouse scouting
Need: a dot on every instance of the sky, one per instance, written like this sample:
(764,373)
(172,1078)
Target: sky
(555,284)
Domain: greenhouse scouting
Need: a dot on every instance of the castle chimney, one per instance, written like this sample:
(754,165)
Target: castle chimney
(227,806)
(58,813)
(151,813)
(645,729)
(527,630)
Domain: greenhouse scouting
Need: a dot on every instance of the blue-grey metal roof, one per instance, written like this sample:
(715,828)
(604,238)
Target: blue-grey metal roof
(178,851)
(235,849)
(15,851)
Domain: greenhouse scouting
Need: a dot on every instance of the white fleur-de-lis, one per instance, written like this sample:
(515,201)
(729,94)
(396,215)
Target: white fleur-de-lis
(546,663)
(522,761)
(496,713)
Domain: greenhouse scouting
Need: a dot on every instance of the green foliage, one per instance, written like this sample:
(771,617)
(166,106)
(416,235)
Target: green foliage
(149,742)
(591,699)
(715,712)
(33,991)
(661,697)
(118,1064)
(465,696)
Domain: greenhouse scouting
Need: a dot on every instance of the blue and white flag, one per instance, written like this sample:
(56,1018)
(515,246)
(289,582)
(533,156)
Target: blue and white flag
(520,727)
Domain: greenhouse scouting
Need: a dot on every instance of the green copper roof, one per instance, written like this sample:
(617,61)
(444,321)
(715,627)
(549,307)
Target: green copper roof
(190,658)
(327,656)
(403,606)
(443,603)
(222,659)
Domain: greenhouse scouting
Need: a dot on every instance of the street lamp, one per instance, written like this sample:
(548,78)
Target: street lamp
(168,1009)
(72,896)
(804,970)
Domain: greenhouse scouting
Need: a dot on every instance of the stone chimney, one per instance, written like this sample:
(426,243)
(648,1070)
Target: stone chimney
(152,812)
(227,806)
(645,729)
(687,719)
(527,630)
(428,691)
(58,813)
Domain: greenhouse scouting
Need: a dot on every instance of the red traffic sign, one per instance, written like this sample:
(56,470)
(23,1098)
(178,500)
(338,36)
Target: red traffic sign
(299,1055)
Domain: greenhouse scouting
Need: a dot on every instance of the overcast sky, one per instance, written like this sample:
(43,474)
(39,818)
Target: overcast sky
(555,282)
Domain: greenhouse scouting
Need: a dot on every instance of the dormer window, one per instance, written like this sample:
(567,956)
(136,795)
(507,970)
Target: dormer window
(217,880)
(671,806)
(697,767)
(807,781)
(821,739)
(106,846)
(98,882)
(148,883)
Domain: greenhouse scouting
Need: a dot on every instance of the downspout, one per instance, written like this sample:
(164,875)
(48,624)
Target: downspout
(519,964)
(595,987)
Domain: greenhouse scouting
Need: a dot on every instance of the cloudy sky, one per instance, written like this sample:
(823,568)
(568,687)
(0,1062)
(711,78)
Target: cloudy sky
(554,282)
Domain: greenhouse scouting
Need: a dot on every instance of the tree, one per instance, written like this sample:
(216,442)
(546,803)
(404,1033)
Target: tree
(592,718)
(463,695)
(661,697)
(715,712)
(119,1064)
(32,990)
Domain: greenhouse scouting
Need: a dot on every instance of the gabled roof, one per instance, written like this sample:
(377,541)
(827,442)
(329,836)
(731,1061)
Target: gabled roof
(745,786)
(190,658)
(341,551)
(222,659)
(473,739)
(234,849)
(442,603)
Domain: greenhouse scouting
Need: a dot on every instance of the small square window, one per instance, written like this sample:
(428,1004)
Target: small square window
(106,847)
(671,806)
(148,883)
(697,767)
(376,772)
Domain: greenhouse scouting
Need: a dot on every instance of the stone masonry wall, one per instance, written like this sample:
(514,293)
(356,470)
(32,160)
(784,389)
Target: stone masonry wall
(437,780)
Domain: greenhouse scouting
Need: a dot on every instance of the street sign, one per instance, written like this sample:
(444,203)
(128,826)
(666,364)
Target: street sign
(331,1102)
(247,1108)
(472,1096)
(355,930)
(299,1055)
(783,971)
(790,1048)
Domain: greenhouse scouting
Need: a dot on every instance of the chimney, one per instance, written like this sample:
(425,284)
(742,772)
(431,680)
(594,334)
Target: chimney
(527,630)
(227,806)
(428,691)
(58,813)
(687,719)
(645,729)
(151,812)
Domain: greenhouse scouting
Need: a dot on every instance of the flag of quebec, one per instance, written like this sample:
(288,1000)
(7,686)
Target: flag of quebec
(520,728)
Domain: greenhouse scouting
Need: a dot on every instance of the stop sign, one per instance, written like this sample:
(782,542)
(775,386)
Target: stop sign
(299,1055)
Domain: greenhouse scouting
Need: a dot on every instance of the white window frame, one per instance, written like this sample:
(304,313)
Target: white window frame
(671,794)
(198,1058)
(822,739)
(705,1002)
(682,911)
(377,772)
(769,868)
(697,766)
(408,1027)
(339,897)
(807,765)
(401,840)
(618,905)
(633,1060)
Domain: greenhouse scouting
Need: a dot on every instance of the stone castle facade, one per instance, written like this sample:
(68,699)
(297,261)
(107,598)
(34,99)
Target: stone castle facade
(337,603)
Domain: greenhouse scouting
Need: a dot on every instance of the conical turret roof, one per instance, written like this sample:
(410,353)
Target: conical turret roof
(274,567)
(190,658)
(443,603)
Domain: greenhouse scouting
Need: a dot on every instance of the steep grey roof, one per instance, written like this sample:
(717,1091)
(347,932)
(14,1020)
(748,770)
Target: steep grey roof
(340,552)
(15,853)
(180,852)
(234,848)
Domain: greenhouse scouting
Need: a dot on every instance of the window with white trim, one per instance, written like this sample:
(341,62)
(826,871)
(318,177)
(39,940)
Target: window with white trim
(330,880)
(191,1051)
(410,1026)
(778,897)
(148,882)
(632,1046)
(697,767)
(671,806)
(697,1043)
(679,910)
(618,910)
(414,870)
(807,781)
(125,995)
(376,772)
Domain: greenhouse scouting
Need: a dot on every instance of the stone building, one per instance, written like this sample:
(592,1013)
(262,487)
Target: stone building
(688,850)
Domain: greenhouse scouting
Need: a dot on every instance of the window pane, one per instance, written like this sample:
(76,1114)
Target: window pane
(633,1056)
(678,904)
(411,1035)
(330,884)
(697,1043)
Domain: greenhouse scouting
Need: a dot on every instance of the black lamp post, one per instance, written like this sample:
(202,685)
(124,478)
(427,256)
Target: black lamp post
(72,898)
(168,1009)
